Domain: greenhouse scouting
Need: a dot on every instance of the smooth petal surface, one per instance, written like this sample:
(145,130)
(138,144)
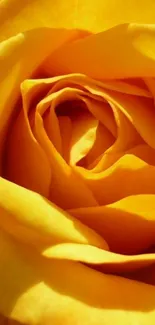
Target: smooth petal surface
(17,16)
(67,188)
(33,219)
(20,57)
(103,141)
(145,274)
(133,175)
(25,160)
(83,295)
(83,136)
(134,214)
(127,51)
(106,260)
(99,166)
(66,133)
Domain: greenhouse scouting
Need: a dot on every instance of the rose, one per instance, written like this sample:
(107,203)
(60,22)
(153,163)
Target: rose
(77,162)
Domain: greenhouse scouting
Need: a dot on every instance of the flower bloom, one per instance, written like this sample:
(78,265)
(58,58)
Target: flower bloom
(77,162)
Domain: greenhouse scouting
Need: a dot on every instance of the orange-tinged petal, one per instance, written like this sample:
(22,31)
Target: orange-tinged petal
(127,138)
(66,133)
(104,140)
(94,93)
(25,160)
(127,225)
(132,86)
(144,152)
(4,320)
(127,86)
(35,220)
(100,109)
(120,114)
(17,16)
(67,188)
(150,82)
(133,175)
(84,124)
(46,107)
(20,58)
(52,128)
(145,274)
(63,177)
(106,260)
(38,291)
(83,136)
(140,113)
(121,104)
(123,51)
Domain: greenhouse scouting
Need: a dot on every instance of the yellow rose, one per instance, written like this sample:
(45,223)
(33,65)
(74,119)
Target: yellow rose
(77,162)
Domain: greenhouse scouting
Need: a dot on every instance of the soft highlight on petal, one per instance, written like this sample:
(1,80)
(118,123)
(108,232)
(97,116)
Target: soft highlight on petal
(127,51)
(21,56)
(83,295)
(33,219)
(135,215)
(18,16)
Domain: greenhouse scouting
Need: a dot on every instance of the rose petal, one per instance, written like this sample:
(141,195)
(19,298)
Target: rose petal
(146,274)
(150,82)
(35,220)
(38,291)
(124,51)
(131,86)
(106,260)
(25,160)
(20,58)
(67,188)
(18,16)
(45,14)
(127,225)
(101,110)
(127,134)
(133,175)
(127,138)
(69,182)
(51,124)
(139,112)
(104,140)
(144,152)
(66,133)
(83,136)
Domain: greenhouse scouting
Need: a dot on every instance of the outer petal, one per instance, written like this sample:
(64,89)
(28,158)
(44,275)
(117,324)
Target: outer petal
(134,214)
(20,57)
(123,51)
(36,221)
(108,261)
(37,291)
(25,160)
(94,16)
(133,175)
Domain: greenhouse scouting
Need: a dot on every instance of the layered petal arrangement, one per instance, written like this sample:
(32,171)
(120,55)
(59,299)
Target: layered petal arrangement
(77,162)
